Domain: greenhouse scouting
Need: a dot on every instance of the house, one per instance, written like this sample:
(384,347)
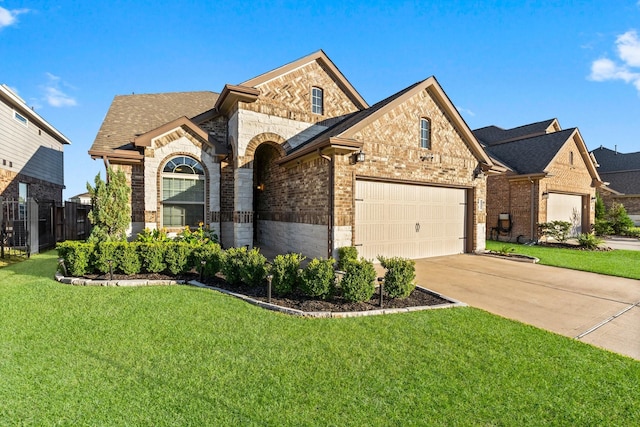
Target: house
(621,172)
(31,152)
(82,198)
(296,160)
(548,175)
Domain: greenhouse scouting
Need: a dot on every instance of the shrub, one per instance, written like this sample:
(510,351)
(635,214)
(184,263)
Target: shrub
(104,253)
(589,241)
(152,256)
(212,255)
(177,257)
(600,209)
(318,279)
(76,256)
(618,218)
(285,270)
(400,276)
(602,227)
(633,232)
(358,282)
(155,235)
(111,211)
(346,254)
(558,230)
(244,265)
(201,234)
(126,258)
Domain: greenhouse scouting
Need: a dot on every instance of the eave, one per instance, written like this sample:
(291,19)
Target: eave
(232,94)
(145,139)
(334,145)
(117,156)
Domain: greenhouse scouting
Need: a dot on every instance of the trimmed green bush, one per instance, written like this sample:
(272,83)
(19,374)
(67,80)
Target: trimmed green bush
(618,218)
(558,230)
(318,279)
(633,232)
(346,254)
(285,270)
(242,265)
(602,227)
(400,276)
(589,241)
(76,255)
(126,257)
(177,257)
(358,282)
(212,254)
(152,256)
(105,252)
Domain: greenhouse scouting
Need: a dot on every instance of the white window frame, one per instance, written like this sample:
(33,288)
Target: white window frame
(425,140)
(20,118)
(183,176)
(317,100)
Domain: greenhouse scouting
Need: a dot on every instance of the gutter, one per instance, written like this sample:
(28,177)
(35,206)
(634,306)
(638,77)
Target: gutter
(331,201)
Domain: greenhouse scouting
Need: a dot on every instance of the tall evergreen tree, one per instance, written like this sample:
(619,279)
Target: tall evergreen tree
(111,211)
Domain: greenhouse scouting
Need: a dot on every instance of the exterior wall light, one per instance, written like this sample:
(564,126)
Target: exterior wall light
(260,187)
(359,157)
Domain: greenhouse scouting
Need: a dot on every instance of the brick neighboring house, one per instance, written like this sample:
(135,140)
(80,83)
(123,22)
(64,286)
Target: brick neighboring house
(296,160)
(549,175)
(31,152)
(621,173)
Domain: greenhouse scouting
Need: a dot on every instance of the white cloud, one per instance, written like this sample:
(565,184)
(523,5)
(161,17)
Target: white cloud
(55,96)
(466,111)
(627,68)
(10,17)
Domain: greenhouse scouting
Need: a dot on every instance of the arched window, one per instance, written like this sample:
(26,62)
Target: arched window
(425,133)
(183,195)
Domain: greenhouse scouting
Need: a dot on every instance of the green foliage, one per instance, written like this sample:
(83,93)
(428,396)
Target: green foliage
(155,235)
(558,230)
(318,278)
(346,254)
(126,257)
(211,254)
(600,207)
(399,280)
(633,232)
(152,256)
(504,250)
(199,235)
(177,257)
(285,270)
(618,218)
(105,252)
(76,256)
(602,227)
(111,211)
(243,265)
(589,241)
(358,282)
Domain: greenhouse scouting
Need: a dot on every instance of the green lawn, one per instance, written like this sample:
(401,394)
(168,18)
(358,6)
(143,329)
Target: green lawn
(179,355)
(621,263)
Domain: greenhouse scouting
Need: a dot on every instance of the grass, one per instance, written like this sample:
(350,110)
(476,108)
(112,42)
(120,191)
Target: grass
(622,263)
(178,355)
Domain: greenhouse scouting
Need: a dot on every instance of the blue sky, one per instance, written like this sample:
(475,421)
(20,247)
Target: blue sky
(505,63)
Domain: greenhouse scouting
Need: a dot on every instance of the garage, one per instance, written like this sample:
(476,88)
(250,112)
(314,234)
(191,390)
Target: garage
(411,221)
(566,207)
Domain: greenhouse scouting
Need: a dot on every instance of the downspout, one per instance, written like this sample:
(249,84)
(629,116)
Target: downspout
(533,236)
(331,194)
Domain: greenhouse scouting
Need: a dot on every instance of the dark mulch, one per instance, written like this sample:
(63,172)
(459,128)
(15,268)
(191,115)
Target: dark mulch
(418,297)
(575,247)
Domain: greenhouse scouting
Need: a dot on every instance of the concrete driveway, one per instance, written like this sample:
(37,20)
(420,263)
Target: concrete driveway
(628,243)
(596,309)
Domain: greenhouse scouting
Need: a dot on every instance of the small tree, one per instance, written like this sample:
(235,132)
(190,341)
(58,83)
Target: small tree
(111,211)
(600,208)
(618,218)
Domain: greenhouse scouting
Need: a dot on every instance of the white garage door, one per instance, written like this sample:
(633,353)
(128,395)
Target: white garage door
(565,207)
(410,221)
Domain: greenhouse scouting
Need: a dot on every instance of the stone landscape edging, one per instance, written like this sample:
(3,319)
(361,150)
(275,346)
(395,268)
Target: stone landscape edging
(80,281)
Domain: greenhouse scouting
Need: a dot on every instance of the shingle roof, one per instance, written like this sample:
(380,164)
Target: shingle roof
(491,135)
(352,119)
(530,155)
(133,115)
(625,182)
(610,160)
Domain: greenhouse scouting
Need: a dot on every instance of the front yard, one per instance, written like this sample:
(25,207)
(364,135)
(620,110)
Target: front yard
(179,355)
(622,263)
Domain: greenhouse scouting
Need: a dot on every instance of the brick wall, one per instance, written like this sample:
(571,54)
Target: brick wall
(38,189)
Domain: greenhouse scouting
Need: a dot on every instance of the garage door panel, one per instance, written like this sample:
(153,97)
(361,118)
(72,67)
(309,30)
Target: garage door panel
(565,207)
(409,220)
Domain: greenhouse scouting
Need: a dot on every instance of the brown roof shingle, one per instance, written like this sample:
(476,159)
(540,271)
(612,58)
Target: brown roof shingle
(133,115)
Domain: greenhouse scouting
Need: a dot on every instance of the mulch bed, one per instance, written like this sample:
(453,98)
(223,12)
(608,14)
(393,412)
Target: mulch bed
(418,297)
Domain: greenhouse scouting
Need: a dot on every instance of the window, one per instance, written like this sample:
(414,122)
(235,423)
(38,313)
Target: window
(19,117)
(425,133)
(571,158)
(23,193)
(183,192)
(317,100)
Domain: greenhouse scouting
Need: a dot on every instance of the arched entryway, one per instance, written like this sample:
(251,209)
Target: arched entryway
(269,193)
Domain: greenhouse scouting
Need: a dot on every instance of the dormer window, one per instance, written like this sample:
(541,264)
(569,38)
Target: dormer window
(317,100)
(425,133)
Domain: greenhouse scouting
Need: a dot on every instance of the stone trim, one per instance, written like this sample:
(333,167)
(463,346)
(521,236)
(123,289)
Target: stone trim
(243,217)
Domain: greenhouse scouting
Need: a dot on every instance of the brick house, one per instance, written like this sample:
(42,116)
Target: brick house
(296,160)
(31,152)
(621,173)
(549,175)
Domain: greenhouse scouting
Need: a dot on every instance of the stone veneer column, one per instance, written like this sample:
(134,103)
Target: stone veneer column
(243,202)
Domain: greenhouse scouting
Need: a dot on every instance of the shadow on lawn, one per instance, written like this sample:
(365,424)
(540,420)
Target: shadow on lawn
(41,266)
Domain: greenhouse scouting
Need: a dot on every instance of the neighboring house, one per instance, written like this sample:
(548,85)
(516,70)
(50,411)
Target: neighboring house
(621,173)
(296,160)
(549,175)
(31,152)
(83,199)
